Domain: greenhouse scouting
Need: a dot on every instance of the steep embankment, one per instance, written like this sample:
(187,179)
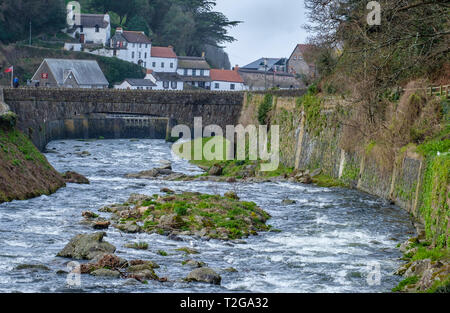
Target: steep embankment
(405,159)
(24,171)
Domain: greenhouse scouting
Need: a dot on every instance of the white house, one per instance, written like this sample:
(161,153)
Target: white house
(136,84)
(226,80)
(163,59)
(195,71)
(153,81)
(132,46)
(93,28)
(168,81)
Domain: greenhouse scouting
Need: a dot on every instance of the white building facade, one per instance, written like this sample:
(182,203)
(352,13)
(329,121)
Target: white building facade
(163,60)
(92,28)
(226,80)
(131,46)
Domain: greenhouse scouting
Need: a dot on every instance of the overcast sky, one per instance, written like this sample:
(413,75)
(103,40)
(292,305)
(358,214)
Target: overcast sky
(270,28)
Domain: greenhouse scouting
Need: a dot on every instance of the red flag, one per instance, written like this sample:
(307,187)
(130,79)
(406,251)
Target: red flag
(9,70)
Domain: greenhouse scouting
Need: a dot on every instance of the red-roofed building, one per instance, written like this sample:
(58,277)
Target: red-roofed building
(164,60)
(226,80)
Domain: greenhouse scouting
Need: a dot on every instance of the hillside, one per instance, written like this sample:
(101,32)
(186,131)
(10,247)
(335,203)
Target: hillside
(24,171)
(26,60)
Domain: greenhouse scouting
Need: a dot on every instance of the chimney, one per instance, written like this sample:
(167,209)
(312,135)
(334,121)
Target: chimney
(171,47)
(149,75)
(236,68)
(119,30)
(203,54)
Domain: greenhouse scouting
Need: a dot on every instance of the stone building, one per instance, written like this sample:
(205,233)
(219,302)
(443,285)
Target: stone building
(299,62)
(69,73)
(255,80)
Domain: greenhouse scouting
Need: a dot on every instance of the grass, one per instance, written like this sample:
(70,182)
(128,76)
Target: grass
(138,245)
(406,282)
(433,254)
(327,181)
(231,168)
(162,253)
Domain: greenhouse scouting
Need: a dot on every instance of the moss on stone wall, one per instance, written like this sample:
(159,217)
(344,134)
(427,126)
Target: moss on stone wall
(435,199)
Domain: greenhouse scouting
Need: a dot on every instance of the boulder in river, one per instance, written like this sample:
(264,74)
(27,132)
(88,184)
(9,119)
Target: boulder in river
(167,190)
(193,263)
(288,202)
(33,267)
(103,272)
(74,178)
(205,275)
(101,224)
(215,170)
(231,195)
(87,247)
(129,227)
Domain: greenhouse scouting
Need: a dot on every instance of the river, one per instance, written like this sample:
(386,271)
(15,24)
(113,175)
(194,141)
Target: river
(329,241)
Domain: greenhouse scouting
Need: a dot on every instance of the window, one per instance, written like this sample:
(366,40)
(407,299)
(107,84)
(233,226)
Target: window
(217,86)
(295,57)
(81,28)
(133,45)
(145,45)
(194,72)
(97,29)
(145,64)
(162,64)
(140,54)
(185,72)
(174,85)
(202,72)
(132,55)
(153,64)
(140,45)
(171,65)
(145,55)
(232,86)
(166,85)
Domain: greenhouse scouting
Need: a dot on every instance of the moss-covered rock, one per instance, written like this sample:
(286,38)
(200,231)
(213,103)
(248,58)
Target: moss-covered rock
(194,214)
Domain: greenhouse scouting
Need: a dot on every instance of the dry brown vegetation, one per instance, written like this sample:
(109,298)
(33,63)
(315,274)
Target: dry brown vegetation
(414,118)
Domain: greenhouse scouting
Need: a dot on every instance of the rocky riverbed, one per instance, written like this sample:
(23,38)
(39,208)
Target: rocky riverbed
(322,240)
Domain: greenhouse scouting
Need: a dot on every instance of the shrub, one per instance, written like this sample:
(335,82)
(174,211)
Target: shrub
(264,108)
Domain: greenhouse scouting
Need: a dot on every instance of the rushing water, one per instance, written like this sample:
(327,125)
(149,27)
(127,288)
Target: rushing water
(328,241)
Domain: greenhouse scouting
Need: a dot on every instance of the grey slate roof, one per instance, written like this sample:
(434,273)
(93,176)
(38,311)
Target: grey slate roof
(193,63)
(196,78)
(255,65)
(163,76)
(140,82)
(92,20)
(86,72)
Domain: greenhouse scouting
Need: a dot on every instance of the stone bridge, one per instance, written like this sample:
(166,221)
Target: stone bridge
(51,114)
